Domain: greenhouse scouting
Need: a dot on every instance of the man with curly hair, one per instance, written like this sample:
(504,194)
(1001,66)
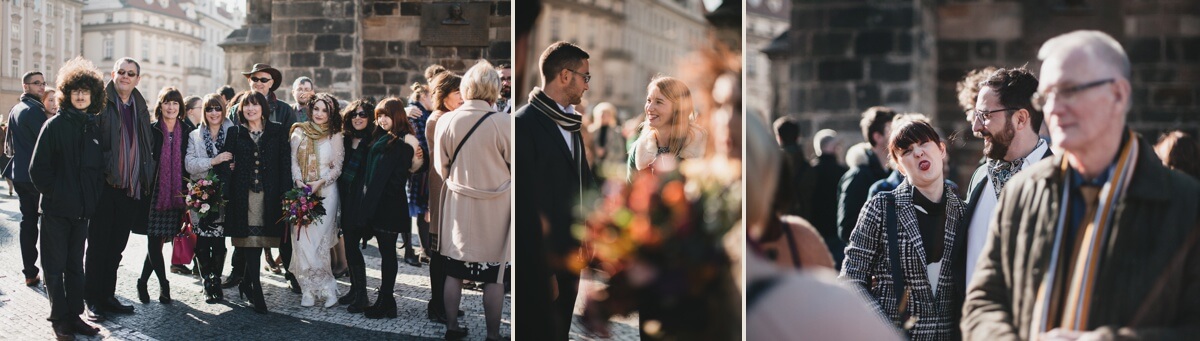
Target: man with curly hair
(67,167)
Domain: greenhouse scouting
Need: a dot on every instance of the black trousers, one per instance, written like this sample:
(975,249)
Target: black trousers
(62,258)
(108,234)
(564,306)
(28,197)
(210,253)
(354,260)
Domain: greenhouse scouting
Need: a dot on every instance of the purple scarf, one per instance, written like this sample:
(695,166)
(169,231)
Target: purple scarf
(170,172)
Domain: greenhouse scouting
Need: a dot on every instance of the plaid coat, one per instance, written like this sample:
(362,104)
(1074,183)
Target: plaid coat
(868,268)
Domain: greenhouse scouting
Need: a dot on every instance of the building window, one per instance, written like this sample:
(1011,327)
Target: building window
(175,57)
(108,48)
(36,66)
(162,50)
(108,17)
(50,38)
(16,67)
(16,30)
(145,49)
(554,28)
(37,37)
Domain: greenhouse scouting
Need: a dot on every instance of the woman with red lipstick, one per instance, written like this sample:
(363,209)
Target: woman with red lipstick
(899,254)
(668,131)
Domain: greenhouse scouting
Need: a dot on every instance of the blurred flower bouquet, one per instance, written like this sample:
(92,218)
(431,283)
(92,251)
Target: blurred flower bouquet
(302,206)
(204,196)
(662,240)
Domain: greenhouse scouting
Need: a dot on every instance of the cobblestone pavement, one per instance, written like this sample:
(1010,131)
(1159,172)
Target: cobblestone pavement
(620,327)
(23,309)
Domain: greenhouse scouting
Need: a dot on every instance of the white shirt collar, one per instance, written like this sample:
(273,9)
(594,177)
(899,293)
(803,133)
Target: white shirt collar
(1035,155)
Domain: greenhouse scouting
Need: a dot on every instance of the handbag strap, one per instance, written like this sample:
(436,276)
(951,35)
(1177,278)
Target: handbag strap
(464,140)
(893,235)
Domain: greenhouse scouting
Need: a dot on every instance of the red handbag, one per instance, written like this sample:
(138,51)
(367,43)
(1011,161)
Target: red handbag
(184,244)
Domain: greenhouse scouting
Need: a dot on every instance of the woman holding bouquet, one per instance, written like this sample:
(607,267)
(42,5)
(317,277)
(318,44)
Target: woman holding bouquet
(359,122)
(382,208)
(206,147)
(261,173)
(474,221)
(317,153)
(166,210)
(668,131)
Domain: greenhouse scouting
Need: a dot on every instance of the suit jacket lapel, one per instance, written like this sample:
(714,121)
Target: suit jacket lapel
(556,135)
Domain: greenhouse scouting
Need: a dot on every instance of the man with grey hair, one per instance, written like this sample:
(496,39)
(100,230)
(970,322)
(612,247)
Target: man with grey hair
(827,170)
(1101,241)
(302,91)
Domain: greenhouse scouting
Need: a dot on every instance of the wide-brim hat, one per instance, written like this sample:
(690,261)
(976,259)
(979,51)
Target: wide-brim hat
(276,76)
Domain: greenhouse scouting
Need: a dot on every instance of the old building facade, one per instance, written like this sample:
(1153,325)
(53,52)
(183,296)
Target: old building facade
(361,48)
(39,35)
(843,57)
(174,41)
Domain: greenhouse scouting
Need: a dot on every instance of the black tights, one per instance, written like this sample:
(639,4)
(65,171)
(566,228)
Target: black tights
(154,260)
(210,252)
(387,251)
(252,270)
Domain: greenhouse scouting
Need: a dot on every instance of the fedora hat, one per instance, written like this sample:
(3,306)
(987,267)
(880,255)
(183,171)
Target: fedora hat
(275,74)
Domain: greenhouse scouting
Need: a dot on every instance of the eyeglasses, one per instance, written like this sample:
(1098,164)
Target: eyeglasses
(212,109)
(129,73)
(587,78)
(986,116)
(263,80)
(1040,98)
(38,83)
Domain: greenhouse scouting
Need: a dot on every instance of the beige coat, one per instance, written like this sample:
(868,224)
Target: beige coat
(474,222)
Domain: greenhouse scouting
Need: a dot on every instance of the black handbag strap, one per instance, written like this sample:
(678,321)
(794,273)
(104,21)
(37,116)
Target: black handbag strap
(464,140)
(758,289)
(893,235)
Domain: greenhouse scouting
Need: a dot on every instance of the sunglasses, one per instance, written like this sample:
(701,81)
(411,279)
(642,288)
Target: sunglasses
(362,114)
(212,109)
(263,80)
(129,73)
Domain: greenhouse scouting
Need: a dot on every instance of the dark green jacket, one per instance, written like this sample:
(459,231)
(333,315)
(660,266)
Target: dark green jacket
(1148,285)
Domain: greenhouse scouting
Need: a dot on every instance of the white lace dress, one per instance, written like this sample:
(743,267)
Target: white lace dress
(311,244)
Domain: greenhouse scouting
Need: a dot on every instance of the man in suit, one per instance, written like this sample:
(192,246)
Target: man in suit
(552,172)
(24,124)
(1004,117)
(1100,242)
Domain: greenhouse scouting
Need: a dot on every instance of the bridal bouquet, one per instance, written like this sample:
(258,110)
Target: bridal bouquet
(302,206)
(204,196)
(661,239)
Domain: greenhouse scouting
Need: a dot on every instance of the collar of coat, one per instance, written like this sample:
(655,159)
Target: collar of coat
(1149,178)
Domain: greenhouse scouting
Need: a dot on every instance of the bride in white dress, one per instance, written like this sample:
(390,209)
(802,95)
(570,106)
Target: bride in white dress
(317,161)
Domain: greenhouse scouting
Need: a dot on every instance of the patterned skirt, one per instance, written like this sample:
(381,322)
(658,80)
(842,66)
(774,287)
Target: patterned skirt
(479,272)
(164,223)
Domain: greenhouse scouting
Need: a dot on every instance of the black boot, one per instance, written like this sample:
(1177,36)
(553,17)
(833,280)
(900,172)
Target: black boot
(164,294)
(256,297)
(385,306)
(358,294)
(143,292)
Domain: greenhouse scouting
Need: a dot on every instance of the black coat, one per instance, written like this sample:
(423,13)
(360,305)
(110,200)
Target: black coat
(824,197)
(271,157)
(67,166)
(547,190)
(853,190)
(24,123)
(350,192)
(156,153)
(384,206)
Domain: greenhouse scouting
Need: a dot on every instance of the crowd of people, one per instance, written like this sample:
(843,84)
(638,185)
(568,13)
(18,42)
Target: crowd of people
(1049,241)
(93,161)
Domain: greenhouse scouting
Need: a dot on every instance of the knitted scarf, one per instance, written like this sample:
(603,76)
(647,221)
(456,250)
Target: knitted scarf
(374,155)
(306,153)
(170,170)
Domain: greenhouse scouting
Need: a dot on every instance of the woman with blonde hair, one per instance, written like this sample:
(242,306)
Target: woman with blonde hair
(607,144)
(474,243)
(668,129)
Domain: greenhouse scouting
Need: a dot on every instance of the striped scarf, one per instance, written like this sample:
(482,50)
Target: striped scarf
(545,104)
(129,154)
(1076,294)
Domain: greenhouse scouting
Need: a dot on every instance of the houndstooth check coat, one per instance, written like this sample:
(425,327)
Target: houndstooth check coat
(868,269)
